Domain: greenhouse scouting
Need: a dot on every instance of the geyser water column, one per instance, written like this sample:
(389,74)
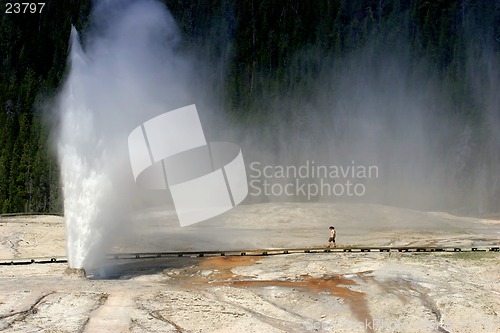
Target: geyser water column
(129,70)
(82,159)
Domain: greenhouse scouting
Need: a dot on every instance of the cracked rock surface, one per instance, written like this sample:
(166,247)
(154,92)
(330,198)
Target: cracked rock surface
(316,292)
(325,292)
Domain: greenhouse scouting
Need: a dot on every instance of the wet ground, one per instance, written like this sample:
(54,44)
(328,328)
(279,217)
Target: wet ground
(327,292)
(316,292)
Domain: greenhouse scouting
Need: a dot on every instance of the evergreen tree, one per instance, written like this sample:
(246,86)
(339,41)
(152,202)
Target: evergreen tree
(263,51)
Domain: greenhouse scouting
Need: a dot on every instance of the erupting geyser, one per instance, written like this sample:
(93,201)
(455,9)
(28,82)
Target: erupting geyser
(127,71)
(82,158)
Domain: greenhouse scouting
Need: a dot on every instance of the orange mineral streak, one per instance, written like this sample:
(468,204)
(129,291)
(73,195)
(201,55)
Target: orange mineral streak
(224,265)
(334,285)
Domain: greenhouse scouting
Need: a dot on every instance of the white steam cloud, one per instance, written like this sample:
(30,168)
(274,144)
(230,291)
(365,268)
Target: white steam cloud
(127,71)
(373,106)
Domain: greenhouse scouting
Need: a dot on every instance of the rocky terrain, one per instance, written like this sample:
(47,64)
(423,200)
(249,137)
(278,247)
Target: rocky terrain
(316,292)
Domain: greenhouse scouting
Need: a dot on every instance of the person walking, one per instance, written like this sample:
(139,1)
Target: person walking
(332,237)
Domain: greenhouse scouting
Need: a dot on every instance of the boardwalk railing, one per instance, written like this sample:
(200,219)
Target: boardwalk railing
(257,252)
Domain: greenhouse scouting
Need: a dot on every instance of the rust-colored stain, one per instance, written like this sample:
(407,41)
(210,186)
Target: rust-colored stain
(334,285)
(223,265)
(337,285)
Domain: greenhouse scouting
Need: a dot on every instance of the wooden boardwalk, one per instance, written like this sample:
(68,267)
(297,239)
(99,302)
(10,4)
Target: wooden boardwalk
(257,252)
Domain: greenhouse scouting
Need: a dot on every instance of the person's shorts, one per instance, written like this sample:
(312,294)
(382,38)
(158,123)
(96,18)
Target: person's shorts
(331,239)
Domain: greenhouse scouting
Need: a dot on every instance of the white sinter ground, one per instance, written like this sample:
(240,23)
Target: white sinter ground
(322,292)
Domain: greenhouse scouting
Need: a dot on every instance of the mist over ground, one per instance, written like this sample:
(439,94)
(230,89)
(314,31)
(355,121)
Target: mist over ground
(379,102)
(128,70)
(429,121)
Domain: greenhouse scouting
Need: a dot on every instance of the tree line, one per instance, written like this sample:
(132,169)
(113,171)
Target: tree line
(258,43)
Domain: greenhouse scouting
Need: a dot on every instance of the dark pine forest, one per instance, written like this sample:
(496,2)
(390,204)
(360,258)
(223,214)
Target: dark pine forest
(258,43)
